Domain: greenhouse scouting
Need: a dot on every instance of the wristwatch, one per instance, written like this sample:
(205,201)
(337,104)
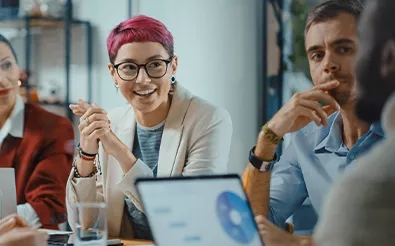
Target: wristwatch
(262,165)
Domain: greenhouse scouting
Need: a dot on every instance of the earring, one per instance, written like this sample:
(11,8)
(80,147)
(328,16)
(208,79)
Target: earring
(173,79)
(116,86)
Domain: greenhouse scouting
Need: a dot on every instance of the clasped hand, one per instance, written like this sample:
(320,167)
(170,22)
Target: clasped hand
(94,127)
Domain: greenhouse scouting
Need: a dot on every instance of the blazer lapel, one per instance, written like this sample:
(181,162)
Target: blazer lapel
(124,130)
(172,132)
(168,150)
(8,151)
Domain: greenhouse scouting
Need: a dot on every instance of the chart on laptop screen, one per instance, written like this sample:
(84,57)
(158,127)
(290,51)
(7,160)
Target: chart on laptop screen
(199,212)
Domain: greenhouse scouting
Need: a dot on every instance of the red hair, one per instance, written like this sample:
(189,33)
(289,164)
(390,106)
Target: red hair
(139,28)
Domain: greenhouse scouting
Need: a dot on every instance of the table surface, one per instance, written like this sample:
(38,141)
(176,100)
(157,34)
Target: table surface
(136,242)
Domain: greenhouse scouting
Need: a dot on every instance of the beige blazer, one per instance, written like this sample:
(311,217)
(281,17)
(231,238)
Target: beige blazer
(196,140)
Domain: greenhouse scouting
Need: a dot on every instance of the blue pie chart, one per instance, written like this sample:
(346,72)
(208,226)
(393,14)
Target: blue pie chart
(236,218)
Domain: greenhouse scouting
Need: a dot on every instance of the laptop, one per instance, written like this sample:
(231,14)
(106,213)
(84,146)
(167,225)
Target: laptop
(7,192)
(199,211)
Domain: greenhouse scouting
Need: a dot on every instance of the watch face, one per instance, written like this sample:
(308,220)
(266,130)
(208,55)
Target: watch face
(265,166)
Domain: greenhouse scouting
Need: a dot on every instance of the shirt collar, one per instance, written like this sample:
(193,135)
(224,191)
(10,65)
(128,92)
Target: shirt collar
(377,129)
(17,118)
(332,141)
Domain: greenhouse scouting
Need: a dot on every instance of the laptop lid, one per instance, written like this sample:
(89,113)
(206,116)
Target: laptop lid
(200,211)
(7,192)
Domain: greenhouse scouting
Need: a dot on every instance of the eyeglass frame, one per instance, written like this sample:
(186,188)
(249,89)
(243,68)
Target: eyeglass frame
(167,61)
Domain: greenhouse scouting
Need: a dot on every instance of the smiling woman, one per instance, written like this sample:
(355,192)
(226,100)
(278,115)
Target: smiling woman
(31,143)
(163,131)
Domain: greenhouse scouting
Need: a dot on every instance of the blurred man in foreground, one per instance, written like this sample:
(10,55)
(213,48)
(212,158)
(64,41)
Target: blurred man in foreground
(361,209)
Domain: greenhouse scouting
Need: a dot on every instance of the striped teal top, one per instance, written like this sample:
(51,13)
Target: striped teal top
(146,148)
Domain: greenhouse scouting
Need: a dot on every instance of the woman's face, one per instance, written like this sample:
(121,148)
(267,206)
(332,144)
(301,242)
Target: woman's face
(146,89)
(9,75)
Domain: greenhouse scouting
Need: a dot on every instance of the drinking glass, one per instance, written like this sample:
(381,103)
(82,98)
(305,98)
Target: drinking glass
(90,226)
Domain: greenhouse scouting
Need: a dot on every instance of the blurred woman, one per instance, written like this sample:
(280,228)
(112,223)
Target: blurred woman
(163,131)
(37,144)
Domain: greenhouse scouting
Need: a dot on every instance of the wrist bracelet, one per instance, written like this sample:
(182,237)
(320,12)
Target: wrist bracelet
(87,158)
(80,150)
(269,134)
(77,174)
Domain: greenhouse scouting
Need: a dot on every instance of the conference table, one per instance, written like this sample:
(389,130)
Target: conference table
(136,242)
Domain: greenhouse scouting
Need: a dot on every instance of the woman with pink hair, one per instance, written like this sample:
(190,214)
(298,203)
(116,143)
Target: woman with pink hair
(163,131)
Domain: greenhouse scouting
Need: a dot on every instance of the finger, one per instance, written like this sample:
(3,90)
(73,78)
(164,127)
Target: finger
(90,112)
(329,110)
(313,105)
(77,110)
(310,115)
(327,86)
(321,97)
(93,110)
(78,113)
(96,134)
(95,105)
(84,104)
(92,119)
(19,220)
(88,130)
(98,117)
(8,225)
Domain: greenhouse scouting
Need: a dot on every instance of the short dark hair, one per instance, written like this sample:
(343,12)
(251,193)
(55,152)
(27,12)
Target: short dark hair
(7,42)
(332,8)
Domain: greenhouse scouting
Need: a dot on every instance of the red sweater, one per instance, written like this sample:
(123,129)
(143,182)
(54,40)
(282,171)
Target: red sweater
(42,160)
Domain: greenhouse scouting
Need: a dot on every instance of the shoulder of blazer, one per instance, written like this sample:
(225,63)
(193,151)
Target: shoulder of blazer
(191,108)
(121,117)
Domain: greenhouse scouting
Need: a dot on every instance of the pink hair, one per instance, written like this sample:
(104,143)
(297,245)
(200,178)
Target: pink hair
(139,28)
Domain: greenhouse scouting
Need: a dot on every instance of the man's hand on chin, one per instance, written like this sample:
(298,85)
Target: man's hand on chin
(274,236)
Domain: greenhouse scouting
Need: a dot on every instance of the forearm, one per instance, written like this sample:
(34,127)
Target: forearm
(257,188)
(125,158)
(115,147)
(256,182)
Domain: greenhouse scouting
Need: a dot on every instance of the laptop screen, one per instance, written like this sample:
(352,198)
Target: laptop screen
(7,192)
(205,211)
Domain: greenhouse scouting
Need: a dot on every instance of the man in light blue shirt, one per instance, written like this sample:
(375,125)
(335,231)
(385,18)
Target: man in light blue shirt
(313,160)
(326,135)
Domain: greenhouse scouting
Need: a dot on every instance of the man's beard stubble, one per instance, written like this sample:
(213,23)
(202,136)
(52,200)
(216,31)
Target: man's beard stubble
(342,98)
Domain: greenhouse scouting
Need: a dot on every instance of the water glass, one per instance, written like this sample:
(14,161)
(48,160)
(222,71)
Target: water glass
(90,226)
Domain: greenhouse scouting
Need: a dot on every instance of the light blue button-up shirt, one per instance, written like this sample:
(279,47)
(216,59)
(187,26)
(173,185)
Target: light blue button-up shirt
(314,159)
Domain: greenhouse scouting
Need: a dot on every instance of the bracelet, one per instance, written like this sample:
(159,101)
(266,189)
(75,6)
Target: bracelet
(87,158)
(77,174)
(82,152)
(269,134)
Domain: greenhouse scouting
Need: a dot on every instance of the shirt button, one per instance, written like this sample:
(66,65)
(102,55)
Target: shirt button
(352,156)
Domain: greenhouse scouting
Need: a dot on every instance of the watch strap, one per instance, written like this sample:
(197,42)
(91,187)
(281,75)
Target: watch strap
(260,164)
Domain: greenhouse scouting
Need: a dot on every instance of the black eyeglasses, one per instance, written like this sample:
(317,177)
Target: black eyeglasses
(155,69)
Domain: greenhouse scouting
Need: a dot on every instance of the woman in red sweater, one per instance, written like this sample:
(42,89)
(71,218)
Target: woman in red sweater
(37,144)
